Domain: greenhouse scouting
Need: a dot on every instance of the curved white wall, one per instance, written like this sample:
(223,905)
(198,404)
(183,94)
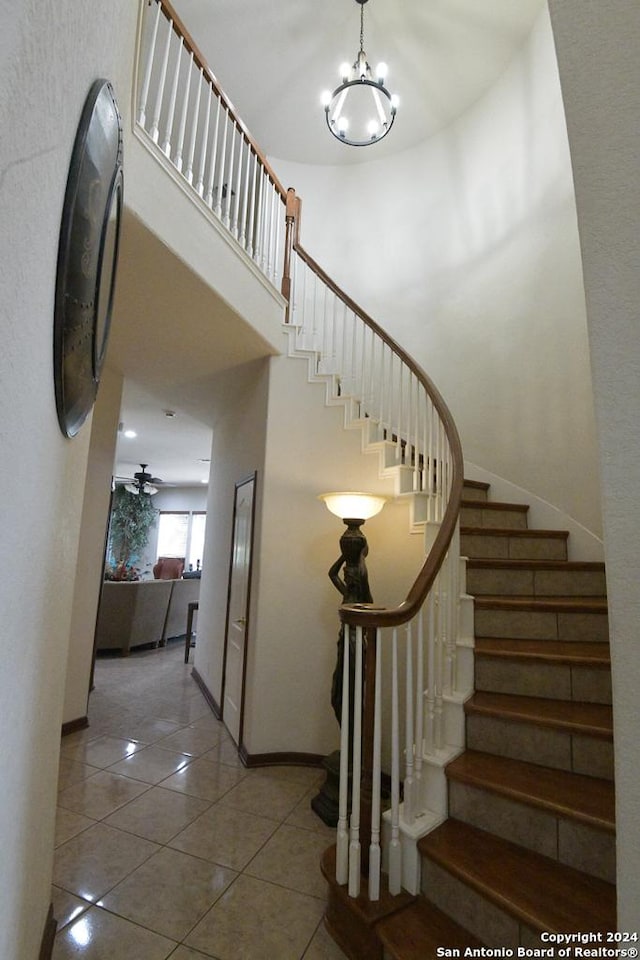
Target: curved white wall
(466,250)
(50,54)
(600,71)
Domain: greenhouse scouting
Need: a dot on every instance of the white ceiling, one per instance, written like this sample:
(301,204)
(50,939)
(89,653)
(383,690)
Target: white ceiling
(274,58)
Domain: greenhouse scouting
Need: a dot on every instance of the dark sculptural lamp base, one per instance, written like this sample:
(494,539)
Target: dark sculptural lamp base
(326,802)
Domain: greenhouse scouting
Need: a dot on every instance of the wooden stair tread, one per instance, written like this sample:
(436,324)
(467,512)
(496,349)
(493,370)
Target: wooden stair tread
(575,652)
(542,604)
(417,932)
(514,532)
(477,484)
(488,563)
(587,719)
(571,795)
(497,505)
(542,893)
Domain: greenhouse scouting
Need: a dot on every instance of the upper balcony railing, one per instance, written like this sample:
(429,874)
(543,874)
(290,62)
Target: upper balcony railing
(183,110)
(185,116)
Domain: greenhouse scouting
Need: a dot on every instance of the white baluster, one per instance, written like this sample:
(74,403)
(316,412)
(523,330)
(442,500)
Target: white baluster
(235,225)
(278,247)
(194,130)
(400,411)
(227,204)
(272,233)
(166,143)
(430,695)
(220,187)
(144,93)
(439,666)
(265,221)
(416,436)
(420,693)
(208,197)
(252,209)
(395,858)
(183,117)
(374,847)
(205,144)
(354,843)
(409,798)
(354,341)
(245,200)
(342,839)
(163,76)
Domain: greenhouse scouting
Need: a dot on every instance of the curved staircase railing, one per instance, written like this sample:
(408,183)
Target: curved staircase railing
(183,114)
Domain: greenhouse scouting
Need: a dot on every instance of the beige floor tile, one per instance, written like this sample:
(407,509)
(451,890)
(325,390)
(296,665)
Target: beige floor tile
(158,814)
(192,740)
(225,752)
(144,729)
(266,796)
(226,836)
(102,751)
(309,776)
(101,794)
(93,862)
(203,779)
(169,893)
(303,816)
(66,906)
(323,947)
(291,858)
(72,771)
(186,953)
(152,764)
(254,920)
(98,935)
(69,824)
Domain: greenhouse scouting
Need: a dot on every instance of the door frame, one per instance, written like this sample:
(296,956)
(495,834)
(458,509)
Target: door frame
(252,478)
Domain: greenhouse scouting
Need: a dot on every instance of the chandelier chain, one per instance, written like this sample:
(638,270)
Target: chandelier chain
(362,28)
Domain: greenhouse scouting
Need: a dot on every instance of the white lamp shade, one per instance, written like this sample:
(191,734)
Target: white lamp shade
(354,505)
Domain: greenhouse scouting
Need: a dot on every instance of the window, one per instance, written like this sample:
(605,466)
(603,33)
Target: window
(196,542)
(182,535)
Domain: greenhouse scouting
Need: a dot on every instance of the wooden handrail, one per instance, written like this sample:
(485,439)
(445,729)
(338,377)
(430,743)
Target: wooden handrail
(199,59)
(367,615)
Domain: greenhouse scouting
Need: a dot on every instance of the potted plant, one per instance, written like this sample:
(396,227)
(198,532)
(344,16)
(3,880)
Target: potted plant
(132,516)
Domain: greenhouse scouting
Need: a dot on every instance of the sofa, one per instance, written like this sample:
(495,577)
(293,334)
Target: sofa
(183,593)
(136,612)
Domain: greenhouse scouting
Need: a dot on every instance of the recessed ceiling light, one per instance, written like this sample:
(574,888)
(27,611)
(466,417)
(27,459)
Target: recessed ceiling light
(130,434)
(204,481)
(169,413)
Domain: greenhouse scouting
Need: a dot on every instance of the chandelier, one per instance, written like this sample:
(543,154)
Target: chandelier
(361,110)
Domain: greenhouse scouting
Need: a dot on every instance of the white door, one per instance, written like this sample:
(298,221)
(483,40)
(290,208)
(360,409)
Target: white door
(238,609)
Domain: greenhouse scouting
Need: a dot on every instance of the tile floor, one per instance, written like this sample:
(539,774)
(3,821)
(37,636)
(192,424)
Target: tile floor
(166,846)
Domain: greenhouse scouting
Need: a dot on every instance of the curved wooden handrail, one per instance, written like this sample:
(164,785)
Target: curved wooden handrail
(213,80)
(369,615)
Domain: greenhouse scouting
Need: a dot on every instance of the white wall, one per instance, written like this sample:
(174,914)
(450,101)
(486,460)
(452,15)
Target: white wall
(466,250)
(49,56)
(292,648)
(600,72)
(93,527)
(238,404)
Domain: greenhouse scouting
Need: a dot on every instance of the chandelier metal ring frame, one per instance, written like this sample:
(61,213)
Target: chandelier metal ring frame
(360,111)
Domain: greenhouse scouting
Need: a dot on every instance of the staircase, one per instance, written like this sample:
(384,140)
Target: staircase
(529,845)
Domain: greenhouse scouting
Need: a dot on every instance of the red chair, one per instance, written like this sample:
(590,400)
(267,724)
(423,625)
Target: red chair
(168,568)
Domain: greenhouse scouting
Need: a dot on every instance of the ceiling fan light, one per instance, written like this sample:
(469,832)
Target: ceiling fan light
(132,488)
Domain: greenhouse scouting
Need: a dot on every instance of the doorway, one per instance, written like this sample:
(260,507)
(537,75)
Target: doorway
(237,622)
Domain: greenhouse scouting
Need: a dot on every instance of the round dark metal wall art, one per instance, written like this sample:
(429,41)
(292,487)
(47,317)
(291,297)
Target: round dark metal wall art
(87,257)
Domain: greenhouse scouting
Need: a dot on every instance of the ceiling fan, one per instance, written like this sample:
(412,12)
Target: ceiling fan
(141,482)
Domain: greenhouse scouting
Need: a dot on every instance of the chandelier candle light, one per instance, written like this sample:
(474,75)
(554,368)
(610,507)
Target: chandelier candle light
(361,110)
